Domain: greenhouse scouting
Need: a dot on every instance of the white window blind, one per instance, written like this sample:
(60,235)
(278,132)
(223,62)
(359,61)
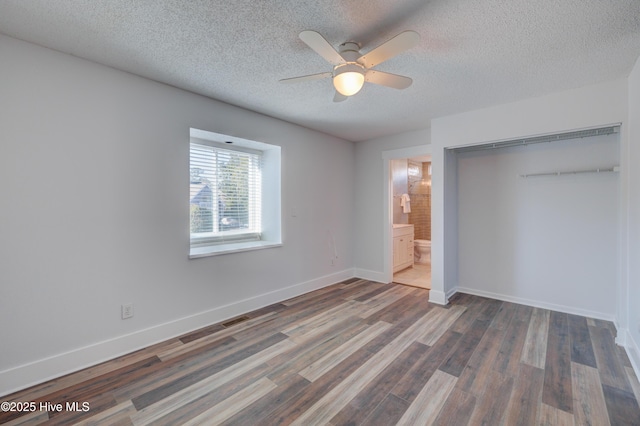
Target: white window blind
(225,195)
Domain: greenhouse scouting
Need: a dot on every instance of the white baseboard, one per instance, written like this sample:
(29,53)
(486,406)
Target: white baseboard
(538,304)
(375,276)
(438,297)
(24,376)
(451,292)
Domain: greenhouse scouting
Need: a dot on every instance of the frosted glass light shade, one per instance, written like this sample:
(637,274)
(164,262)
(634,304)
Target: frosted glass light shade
(348,83)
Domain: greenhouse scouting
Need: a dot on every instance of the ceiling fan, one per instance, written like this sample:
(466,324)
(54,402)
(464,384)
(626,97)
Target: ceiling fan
(351,69)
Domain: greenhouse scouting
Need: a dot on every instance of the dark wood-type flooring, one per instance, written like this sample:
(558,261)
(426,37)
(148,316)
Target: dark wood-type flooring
(359,352)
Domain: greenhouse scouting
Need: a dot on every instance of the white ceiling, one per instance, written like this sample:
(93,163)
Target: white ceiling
(472,54)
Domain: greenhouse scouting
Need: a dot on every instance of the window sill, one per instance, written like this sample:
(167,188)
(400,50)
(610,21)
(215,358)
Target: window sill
(217,250)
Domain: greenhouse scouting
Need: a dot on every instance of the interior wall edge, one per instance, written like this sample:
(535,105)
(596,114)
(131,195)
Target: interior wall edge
(630,297)
(33,373)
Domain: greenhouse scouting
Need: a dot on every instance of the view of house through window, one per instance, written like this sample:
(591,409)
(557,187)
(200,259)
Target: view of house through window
(234,194)
(225,194)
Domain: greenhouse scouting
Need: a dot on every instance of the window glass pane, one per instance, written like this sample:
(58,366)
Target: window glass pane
(225,195)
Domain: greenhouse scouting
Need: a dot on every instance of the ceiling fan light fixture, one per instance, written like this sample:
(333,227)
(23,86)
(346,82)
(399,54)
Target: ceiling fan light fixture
(348,79)
(351,69)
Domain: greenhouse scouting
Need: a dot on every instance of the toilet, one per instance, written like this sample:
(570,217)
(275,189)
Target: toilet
(422,251)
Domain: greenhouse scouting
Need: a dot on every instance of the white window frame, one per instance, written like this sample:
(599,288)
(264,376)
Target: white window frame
(270,199)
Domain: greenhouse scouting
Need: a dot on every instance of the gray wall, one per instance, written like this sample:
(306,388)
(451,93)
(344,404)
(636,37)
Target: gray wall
(94,175)
(369,199)
(630,300)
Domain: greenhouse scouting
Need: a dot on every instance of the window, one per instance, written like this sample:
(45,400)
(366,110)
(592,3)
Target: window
(225,192)
(226,188)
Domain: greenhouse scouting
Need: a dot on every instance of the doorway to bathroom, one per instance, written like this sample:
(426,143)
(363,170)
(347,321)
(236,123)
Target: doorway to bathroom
(411,204)
(408,216)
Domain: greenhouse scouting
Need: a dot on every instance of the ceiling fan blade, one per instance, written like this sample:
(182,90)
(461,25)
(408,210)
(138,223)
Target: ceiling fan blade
(387,50)
(319,76)
(339,97)
(387,79)
(322,47)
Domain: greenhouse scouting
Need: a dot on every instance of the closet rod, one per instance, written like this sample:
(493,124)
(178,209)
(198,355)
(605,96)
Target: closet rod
(575,172)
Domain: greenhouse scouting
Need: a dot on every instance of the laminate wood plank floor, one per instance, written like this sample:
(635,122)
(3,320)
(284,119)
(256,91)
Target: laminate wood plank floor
(361,353)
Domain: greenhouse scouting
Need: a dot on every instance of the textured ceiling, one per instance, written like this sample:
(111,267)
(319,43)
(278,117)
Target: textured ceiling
(472,53)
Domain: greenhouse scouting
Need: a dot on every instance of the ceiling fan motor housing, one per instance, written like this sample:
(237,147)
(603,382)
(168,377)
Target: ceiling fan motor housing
(350,51)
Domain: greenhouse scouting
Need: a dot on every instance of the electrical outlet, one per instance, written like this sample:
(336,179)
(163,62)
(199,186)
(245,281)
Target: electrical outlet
(127,310)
